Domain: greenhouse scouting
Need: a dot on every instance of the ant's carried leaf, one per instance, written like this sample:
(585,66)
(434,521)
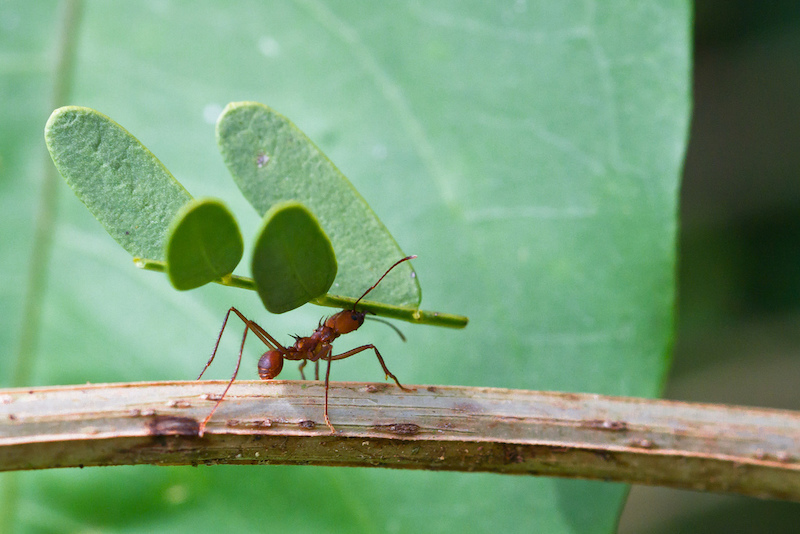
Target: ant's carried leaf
(272,161)
(293,259)
(147,211)
(121,182)
(203,245)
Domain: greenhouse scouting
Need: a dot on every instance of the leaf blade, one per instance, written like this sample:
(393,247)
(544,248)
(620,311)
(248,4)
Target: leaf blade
(293,260)
(127,189)
(204,244)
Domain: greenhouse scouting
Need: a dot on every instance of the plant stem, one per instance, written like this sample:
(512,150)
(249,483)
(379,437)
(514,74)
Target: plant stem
(411,315)
(704,447)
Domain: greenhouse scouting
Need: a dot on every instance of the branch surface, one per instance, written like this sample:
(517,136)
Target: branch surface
(705,447)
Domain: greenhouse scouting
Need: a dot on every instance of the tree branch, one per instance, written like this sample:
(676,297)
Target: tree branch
(697,446)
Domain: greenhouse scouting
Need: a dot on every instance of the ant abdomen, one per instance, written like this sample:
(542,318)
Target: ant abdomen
(270,364)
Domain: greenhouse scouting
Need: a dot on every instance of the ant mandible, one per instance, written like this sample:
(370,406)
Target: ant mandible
(313,348)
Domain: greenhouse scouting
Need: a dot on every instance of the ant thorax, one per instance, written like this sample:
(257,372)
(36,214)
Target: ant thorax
(305,344)
(314,346)
(325,334)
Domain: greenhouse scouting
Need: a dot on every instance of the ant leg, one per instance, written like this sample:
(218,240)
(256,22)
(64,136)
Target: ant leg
(216,345)
(300,368)
(262,334)
(380,359)
(202,429)
(316,370)
(326,355)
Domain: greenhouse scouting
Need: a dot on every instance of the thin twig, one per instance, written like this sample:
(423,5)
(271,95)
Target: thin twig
(401,313)
(642,441)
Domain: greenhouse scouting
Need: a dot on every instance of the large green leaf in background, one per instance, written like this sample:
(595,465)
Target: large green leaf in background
(528,152)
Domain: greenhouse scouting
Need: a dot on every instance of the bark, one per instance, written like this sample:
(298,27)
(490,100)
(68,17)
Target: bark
(642,441)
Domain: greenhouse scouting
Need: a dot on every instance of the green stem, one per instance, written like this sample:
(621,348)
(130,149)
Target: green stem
(411,315)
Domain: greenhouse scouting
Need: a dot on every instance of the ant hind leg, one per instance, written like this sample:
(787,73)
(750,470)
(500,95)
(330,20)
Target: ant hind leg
(202,428)
(216,345)
(249,325)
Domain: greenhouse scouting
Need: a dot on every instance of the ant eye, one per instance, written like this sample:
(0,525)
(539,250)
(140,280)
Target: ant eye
(357,318)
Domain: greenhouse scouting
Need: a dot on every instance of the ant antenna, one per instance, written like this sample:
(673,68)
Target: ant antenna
(387,323)
(381,278)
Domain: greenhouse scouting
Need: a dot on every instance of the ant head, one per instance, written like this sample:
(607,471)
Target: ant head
(345,321)
(348,320)
(270,364)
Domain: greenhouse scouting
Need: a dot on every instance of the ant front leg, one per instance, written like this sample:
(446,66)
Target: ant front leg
(380,359)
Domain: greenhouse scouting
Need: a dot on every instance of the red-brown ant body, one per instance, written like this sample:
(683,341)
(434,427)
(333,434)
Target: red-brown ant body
(312,348)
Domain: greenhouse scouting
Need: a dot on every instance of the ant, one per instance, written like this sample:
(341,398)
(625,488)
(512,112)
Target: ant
(312,348)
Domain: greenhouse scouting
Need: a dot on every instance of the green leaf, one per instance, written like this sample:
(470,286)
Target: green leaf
(121,182)
(272,161)
(529,155)
(204,244)
(293,259)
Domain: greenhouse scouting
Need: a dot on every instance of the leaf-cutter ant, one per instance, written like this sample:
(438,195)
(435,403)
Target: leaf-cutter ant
(313,348)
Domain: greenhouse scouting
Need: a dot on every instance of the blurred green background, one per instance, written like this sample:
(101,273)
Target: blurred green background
(738,336)
(739,296)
